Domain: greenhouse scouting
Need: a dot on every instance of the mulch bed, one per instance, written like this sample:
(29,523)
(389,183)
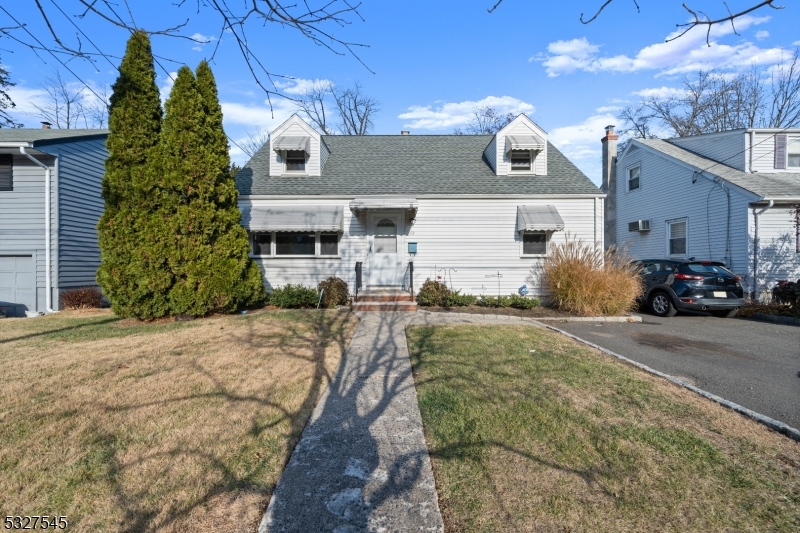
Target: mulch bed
(536,312)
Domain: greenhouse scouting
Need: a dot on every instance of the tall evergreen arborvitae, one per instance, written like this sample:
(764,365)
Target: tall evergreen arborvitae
(134,124)
(195,224)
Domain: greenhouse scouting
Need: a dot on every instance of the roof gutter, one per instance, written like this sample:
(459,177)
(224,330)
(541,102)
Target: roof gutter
(756,245)
(47,237)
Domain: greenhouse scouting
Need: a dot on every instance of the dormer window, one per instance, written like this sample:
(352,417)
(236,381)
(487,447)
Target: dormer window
(520,160)
(295,160)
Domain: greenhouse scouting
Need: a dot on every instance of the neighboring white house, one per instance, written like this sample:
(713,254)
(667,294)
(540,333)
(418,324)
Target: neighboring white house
(465,208)
(727,196)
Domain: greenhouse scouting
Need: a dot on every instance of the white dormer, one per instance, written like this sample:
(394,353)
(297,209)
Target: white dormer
(519,149)
(295,149)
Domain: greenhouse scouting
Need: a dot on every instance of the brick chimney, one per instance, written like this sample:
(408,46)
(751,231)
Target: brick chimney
(46,125)
(609,185)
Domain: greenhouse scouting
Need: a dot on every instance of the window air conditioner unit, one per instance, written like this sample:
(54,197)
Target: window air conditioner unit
(639,225)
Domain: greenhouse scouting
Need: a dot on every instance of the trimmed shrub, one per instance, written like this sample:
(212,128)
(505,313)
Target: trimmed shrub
(294,297)
(82,298)
(334,292)
(587,281)
(433,293)
(456,299)
(494,301)
(787,292)
(521,302)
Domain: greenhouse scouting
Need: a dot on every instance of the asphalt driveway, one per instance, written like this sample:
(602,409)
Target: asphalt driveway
(754,364)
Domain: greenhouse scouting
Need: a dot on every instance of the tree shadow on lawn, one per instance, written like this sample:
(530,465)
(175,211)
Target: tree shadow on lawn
(316,329)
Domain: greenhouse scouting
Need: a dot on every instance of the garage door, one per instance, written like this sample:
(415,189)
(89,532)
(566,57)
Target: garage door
(17,285)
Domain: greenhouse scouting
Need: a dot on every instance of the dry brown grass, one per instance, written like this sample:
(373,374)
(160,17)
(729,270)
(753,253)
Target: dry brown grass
(126,426)
(569,439)
(584,280)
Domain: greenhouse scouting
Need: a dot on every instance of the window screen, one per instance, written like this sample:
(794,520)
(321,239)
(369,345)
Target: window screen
(295,160)
(6,183)
(793,152)
(534,243)
(633,178)
(294,243)
(262,244)
(329,244)
(677,238)
(385,237)
(520,159)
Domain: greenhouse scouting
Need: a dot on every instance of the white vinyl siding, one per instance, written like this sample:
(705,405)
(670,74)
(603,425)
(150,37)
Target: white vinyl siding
(519,126)
(474,237)
(777,258)
(295,127)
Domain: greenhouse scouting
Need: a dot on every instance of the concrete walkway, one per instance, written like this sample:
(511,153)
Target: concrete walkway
(362,463)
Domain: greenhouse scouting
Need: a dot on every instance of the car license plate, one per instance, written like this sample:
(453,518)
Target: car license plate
(720,294)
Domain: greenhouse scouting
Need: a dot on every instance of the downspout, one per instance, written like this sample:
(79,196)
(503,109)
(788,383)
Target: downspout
(48,296)
(756,246)
(752,143)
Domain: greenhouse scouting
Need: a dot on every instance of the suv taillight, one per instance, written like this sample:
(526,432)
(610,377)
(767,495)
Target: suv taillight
(692,277)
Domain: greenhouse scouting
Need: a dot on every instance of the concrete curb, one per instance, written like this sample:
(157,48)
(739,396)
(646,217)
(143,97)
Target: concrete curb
(777,425)
(629,318)
(775,319)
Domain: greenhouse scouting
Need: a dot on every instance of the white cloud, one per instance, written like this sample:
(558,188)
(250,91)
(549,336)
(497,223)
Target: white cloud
(762,34)
(660,93)
(796,43)
(203,40)
(684,54)
(300,85)
(607,109)
(166,85)
(450,114)
(581,142)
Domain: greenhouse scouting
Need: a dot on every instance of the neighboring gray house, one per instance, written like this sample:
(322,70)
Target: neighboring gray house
(728,196)
(33,274)
(461,207)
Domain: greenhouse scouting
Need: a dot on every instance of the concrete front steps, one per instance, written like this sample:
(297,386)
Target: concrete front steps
(384,300)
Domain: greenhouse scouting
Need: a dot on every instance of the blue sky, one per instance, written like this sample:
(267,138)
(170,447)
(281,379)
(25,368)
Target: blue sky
(434,61)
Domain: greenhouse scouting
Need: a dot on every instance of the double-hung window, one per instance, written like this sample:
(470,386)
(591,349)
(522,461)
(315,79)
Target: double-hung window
(676,238)
(295,160)
(520,160)
(633,178)
(6,178)
(534,243)
(793,152)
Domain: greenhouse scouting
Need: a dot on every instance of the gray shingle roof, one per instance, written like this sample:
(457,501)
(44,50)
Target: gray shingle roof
(39,137)
(411,165)
(765,184)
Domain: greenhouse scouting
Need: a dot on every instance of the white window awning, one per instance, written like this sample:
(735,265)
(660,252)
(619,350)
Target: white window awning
(538,218)
(292,143)
(365,203)
(524,142)
(301,218)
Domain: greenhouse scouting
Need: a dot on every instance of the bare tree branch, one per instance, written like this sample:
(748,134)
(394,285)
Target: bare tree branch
(312,105)
(64,105)
(254,141)
(355,109)
(485,120)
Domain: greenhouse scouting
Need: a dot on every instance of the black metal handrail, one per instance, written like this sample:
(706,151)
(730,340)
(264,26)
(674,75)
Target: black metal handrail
(411,277)
(358,277)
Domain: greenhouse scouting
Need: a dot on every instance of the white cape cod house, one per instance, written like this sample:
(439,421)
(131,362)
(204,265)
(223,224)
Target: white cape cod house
(462,208)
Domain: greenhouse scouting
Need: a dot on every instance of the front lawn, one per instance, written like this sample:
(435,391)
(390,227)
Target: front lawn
(174,426)
(565,438)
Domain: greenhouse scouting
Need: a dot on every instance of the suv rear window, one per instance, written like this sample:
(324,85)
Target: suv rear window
(708,269)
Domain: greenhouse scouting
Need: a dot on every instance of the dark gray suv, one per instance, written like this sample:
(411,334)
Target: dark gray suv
(694,285)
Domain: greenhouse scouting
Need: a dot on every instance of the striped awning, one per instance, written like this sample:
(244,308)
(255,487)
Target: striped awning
(383,202)
(283,218)
(538,218)
(524,142)
(292,143)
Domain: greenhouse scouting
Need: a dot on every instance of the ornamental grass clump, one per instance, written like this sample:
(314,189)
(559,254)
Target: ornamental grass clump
(586,281)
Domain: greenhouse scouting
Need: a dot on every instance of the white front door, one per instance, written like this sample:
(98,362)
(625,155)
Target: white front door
(385,249)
